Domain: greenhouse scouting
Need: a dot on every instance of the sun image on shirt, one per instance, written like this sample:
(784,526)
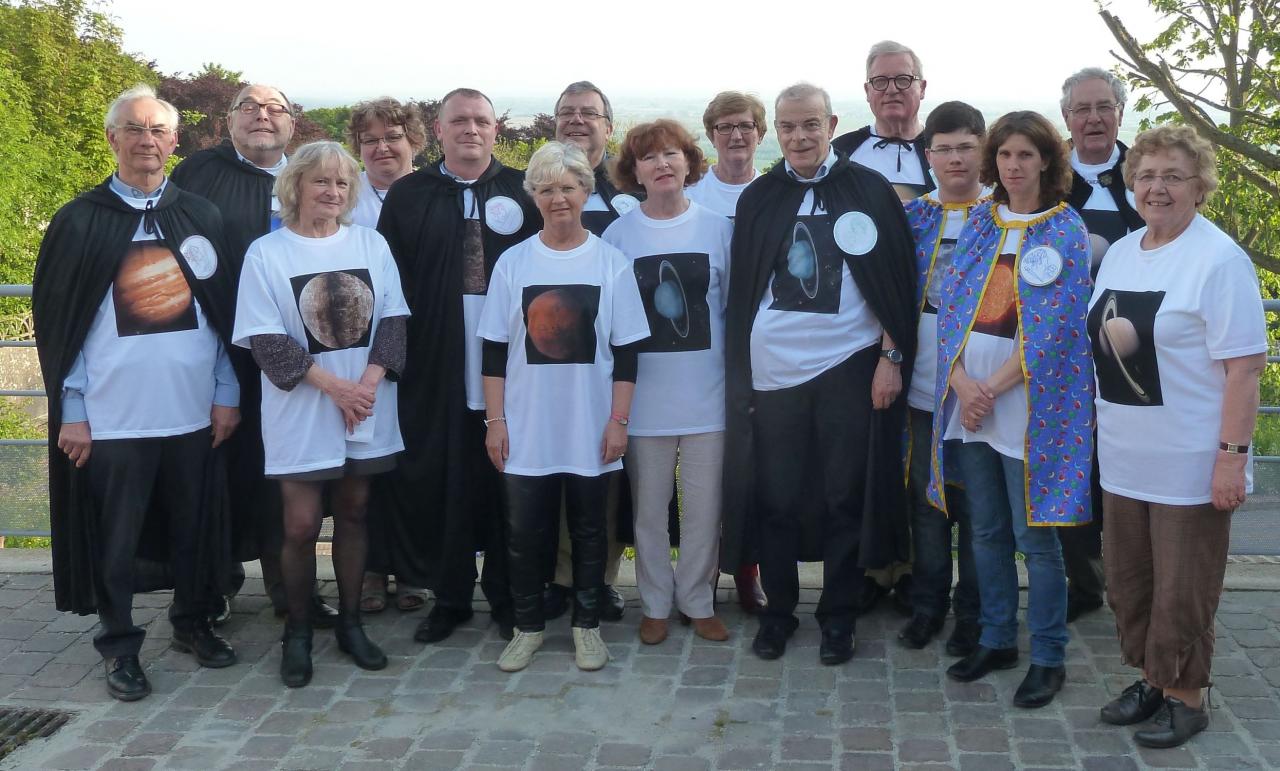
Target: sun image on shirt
(998,315)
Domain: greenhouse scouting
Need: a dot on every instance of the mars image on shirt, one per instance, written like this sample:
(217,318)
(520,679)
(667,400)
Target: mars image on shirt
(1122,328)
(807,275)
(673,288)
(561,323)
(150,293)
(336,308)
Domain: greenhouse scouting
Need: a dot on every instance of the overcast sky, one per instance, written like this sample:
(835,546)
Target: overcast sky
(325,52)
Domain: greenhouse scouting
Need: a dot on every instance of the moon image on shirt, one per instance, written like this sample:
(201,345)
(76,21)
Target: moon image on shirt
(673,288)
(997,314)
(336,309)
(1122,327)
(150,293)
(808,271)
(560,323)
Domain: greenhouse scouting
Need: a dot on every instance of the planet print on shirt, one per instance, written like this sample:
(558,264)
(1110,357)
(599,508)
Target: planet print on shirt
(1122,329)
(475,271)
(560,323)
(998,314)
(150,293)
(808,272)
(336,308)
(673,289)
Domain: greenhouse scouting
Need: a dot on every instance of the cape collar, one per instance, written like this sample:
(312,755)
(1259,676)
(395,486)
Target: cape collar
(436,170)
(823,170)
(105,195)
(125,190)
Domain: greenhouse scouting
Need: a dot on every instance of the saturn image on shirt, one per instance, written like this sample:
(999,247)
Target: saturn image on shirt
(560,323)
(1122,324)
(150,293)
(673,288)
(336,308)
(808,271)
(802,260)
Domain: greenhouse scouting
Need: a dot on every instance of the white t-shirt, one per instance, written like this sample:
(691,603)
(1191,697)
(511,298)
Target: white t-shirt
(329,295)
(558,393)
(925,373)
(992,340)
(368,203)
(719,197)
(681,266)
(1172,314)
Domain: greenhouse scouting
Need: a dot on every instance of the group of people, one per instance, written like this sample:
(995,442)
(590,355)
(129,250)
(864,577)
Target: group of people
(890,333)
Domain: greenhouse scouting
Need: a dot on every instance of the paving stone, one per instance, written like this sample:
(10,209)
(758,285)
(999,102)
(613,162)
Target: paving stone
(976,762)
(386,749)
(435,760)
(84,756)
(917,750)
(503,753)
(267,746)
(1109,763)
(625,755)
(866,761)
(741,758)
(982,739)
(24,663)
(1178,757)
(679,763)
(128,764)
(151,744)
(862,739)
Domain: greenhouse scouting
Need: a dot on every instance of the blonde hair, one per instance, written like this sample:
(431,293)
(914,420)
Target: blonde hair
(310,156)
(553,160)
(1174,137)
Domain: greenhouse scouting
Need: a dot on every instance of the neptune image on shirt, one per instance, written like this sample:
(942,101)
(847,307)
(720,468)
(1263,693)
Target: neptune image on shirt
(808,272)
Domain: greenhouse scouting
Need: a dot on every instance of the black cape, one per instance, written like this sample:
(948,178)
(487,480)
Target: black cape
(241,191)
(76,266)
(598,221)
(439,498)
(1106,224)
(885,276)
(847,143)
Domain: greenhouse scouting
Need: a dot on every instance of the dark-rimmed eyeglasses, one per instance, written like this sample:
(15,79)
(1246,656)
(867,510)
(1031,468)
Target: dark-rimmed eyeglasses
(588,114)
(250,107)
(900,82)
(726,129)
(390,138)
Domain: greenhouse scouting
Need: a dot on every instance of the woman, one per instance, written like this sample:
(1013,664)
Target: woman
(679,252)
(1180,340)
(1015,385)
(386,135)
(321,308)
(561,313)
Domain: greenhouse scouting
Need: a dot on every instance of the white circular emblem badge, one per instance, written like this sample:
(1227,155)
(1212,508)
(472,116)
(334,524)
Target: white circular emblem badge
(855,233)
(623,203)
(200,255)
(1040,266)
(503,215)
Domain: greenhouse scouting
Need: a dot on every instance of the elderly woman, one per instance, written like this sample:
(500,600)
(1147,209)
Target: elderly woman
(559,374)
(386,135)
(1015,387)
(1180,340)
(321,308)
(679,252)
(735,124)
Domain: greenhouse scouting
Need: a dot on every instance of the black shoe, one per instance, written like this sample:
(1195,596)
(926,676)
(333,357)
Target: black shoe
(209,649)
(440,623)
(125,679)
(355,643)
(982,661)
(867,596)
(1039,686)
(612,605)
(505,618)
(902,595)
(1078,605)
(1174,723)
(323,616)
(919,631)
(964,637)
(1135,704)
(295,655)
(555,601)
(220,610)
(770,642)
(836,647)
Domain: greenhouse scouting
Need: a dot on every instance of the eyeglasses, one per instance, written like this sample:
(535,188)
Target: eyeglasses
(1104,110)
(390,139)
(1169,180)
(945,150)
(250,107)
(900,82)
(726,129)
(587,114)
(134,131)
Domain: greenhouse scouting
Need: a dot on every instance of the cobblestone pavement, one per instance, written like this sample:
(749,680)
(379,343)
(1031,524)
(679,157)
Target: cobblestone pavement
(685,705)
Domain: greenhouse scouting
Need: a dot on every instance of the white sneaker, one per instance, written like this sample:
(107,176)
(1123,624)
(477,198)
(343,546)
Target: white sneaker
(519,652)
(589,650)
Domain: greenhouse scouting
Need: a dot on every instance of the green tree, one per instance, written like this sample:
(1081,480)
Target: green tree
(333,120)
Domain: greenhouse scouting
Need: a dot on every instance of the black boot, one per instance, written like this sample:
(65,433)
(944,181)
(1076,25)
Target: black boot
(353,642)
(295,656)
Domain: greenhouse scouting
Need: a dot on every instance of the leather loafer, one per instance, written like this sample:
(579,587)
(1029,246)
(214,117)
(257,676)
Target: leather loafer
(1039,686)
(919,631)
(770,642)
(555,601)
(295,656)
(653,630)
(125,679)
(440,623)
(355,643)
(711,628)
(1135,704)
(612,606)
(836,647)
(964,637)
(982,661)
(210,650)
(1174,723)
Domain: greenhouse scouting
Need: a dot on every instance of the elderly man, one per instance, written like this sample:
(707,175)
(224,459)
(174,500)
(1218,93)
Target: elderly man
(238,176)
(894,87)
(1093,107)
(819,339)
(447,224)
(133,305)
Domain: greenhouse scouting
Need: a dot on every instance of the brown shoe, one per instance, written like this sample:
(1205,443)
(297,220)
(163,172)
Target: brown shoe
(653,630)
(711,629)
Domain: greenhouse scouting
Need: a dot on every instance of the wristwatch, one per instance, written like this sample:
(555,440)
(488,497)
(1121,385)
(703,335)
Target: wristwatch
(621,420)
(892,354)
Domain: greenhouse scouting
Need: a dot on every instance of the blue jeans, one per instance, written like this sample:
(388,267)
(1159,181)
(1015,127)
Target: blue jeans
(994,489)
(931,536)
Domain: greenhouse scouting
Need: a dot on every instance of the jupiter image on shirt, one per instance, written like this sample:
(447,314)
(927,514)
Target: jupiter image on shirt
(336,308)
(560,322)
(150,293)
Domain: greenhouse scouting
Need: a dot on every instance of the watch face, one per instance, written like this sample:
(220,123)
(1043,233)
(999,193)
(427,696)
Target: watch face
(893,355)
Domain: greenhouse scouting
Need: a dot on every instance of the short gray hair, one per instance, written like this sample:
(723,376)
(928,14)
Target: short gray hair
(803,90)
(886,47)
(553,160)
(586,87)
(311,156)
(140,91)
(239,97)
(1092,73)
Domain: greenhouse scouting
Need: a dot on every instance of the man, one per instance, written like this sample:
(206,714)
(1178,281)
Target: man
(1093,107)
(447,224)
(819,339)
(894,88)
(133,304)
(238,176)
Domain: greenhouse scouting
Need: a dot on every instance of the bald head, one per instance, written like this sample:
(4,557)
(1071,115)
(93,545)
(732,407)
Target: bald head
(261,124)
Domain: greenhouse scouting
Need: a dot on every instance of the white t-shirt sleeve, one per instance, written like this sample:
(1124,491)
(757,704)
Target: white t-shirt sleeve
(1234,322)
(497,304)
(256,310)
(630,324)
